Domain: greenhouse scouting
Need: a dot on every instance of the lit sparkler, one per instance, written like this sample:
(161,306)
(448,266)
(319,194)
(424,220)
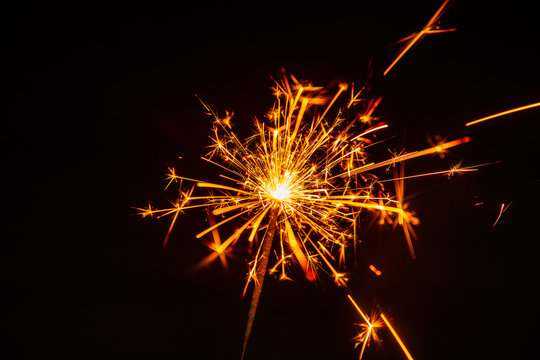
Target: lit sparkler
(301,181)
(299,184)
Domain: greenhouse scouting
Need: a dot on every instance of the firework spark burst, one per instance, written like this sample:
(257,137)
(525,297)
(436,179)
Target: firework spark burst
(300,185)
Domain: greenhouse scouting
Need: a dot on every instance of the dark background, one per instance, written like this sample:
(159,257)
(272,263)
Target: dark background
(101,101)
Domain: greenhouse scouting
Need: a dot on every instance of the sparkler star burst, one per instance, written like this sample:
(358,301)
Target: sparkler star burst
(299,183)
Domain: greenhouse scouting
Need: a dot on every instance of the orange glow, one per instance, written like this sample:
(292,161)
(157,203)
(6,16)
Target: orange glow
(375,270)
(521,108)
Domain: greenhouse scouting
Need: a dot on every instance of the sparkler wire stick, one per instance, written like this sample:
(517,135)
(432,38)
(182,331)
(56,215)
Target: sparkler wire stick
(260,274)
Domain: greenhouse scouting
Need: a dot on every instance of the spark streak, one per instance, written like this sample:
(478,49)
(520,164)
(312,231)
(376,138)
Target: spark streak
(375,270)
(521,108)
(429,28)
(396,336)
(501,211)
(412,155)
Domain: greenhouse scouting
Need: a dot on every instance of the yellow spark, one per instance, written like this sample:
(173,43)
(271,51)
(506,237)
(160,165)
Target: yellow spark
(144,212)
(521,108)
(412,155)
(396,336)
(354,97)
(364,316)
(375,270)
(429,28)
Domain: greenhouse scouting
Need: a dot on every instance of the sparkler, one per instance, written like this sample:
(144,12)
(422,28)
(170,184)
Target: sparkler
(300,185)
(302,181)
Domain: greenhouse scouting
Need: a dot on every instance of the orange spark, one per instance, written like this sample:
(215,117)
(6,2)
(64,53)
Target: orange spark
(406,218)
(354,97)
(396,336)
(412,155)
(375,270)
(501,211)
(521,108)
(429,28)
(364,316)
(372,129)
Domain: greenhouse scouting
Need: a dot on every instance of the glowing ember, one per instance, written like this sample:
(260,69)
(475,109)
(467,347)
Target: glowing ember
(375,270)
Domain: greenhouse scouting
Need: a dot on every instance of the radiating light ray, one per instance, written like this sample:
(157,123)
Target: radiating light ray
(429,28)
(368,333)
(364,316)
(411,155)
(449,173)
(355,98)
(369,327)
(521,108)
(454,169)
(215,226)
(370,130)
(396,336)
(406,218)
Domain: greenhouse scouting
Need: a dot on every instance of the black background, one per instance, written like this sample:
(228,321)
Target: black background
(101,100)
